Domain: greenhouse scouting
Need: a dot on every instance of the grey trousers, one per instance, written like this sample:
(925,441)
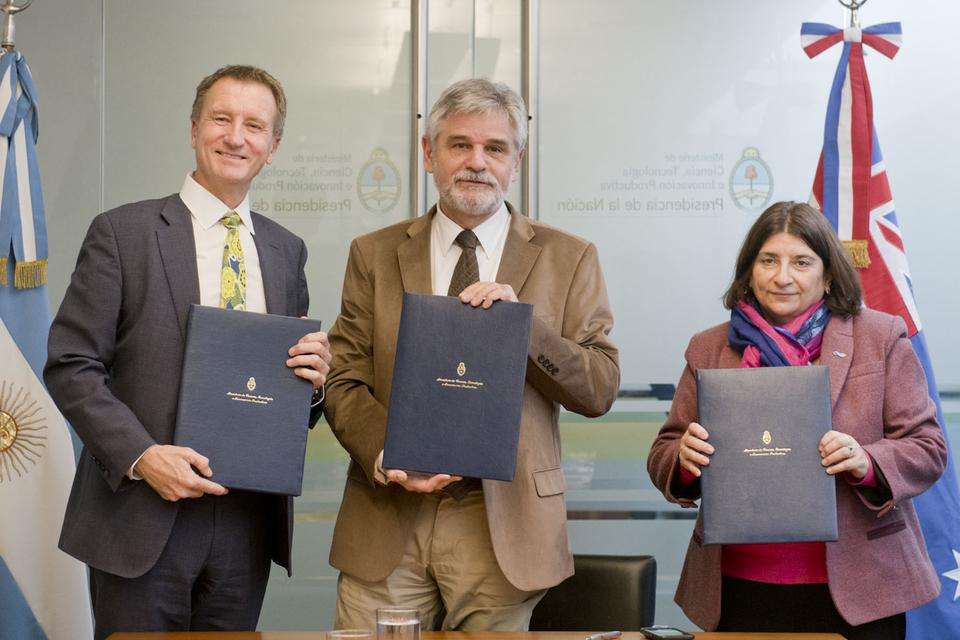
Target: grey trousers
(211,575)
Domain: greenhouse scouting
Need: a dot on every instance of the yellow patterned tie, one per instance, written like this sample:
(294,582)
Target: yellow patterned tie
(233,272)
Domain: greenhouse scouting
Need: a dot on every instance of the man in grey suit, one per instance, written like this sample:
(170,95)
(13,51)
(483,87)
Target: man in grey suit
(168,548)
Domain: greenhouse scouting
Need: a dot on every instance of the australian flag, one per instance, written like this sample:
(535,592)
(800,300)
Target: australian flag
(852,190)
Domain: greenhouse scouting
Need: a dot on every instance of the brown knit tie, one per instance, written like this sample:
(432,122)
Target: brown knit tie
(464,274)
(467,271)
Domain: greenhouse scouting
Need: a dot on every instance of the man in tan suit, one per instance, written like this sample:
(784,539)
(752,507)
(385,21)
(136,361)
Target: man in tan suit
(482,552)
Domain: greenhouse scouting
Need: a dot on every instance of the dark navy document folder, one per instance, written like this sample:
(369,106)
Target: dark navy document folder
(240,405)
(765,482)
(457,387)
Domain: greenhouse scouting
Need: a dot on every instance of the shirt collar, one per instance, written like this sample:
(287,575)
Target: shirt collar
(207,208)
(487,232)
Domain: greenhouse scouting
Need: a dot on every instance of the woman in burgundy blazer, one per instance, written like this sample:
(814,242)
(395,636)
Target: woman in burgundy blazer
(886,446)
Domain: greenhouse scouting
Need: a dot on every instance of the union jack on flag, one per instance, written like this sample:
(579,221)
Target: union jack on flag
(852,190)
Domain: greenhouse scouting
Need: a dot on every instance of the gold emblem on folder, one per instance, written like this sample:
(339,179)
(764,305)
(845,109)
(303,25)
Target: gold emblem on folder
(766,450)
(460,382)
(251,384)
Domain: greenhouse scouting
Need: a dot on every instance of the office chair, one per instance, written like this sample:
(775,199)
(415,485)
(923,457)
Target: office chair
(605,592)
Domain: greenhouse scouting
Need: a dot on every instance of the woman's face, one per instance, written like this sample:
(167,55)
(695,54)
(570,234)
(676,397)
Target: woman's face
(787,278)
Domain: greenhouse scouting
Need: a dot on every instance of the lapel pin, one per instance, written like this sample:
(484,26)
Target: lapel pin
(840,354)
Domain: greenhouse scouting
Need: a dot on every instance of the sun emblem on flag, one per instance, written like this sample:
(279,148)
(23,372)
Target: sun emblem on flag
(22,427)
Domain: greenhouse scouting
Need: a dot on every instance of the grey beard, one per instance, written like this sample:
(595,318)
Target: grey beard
(481,204)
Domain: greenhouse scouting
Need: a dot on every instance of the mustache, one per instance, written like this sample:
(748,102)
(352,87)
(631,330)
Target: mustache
(474,176)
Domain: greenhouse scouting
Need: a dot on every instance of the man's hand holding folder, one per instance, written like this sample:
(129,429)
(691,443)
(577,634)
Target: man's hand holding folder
(478,294)
(177,472)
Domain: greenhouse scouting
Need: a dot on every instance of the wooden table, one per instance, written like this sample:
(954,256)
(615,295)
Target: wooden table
(460,635)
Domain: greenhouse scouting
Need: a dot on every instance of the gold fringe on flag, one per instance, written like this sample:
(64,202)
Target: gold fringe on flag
(857,249)
(3,272)
(29,275)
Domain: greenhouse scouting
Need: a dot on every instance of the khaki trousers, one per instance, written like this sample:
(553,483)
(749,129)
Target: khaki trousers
(448,571)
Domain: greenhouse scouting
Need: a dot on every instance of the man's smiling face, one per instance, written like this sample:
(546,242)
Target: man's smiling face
(233,137)
(474,159)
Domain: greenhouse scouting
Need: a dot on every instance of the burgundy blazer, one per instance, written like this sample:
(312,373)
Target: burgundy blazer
(879,565)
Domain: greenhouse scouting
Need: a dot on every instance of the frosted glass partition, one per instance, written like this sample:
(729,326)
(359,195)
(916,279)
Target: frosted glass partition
(667,126)
(472,38)
(343,165)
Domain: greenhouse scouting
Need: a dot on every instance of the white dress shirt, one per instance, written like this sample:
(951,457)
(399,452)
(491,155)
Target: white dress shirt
(209,237)
(445,252)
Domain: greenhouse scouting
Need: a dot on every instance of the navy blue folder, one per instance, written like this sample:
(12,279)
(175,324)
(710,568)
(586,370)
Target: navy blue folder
(457,387)
(240,405)
(765,482)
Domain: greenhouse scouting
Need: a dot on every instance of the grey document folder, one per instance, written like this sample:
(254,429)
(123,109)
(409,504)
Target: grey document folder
(765,482)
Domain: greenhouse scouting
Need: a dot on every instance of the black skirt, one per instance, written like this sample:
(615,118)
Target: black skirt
(746,606)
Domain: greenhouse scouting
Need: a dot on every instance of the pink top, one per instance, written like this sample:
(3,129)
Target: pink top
(784,563)
(793,562)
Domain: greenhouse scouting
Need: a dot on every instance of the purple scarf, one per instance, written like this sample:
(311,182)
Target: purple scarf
(796,343)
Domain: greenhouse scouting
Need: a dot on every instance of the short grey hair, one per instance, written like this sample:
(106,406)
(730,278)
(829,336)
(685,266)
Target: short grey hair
(479,95)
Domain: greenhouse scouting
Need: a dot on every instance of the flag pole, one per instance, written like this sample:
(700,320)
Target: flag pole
(9,32)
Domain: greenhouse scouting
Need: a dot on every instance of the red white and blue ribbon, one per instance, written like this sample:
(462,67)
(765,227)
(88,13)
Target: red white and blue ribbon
(851,185)
(852,190)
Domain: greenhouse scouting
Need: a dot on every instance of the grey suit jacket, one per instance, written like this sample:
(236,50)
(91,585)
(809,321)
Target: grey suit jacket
(113,368)
(571,362)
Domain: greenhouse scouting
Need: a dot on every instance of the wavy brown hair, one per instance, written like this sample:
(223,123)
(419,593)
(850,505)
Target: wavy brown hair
(799,219)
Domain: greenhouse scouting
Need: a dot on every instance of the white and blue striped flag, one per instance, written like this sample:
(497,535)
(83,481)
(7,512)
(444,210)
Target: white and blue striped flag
(43,591)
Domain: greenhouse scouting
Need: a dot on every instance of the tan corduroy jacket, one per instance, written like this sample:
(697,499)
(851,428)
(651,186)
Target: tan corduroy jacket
(571,362)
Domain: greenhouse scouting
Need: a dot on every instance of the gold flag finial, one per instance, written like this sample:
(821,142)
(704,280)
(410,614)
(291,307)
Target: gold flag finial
(858,252)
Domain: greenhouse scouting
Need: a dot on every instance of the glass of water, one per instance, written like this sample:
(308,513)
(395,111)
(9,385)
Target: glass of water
(398,624)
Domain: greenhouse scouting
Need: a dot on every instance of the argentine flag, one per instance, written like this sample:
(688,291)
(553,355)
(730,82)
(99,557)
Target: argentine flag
(43,591)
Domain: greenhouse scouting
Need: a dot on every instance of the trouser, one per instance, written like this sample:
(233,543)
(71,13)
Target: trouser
(211,575)
(448,572)
(746,605)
